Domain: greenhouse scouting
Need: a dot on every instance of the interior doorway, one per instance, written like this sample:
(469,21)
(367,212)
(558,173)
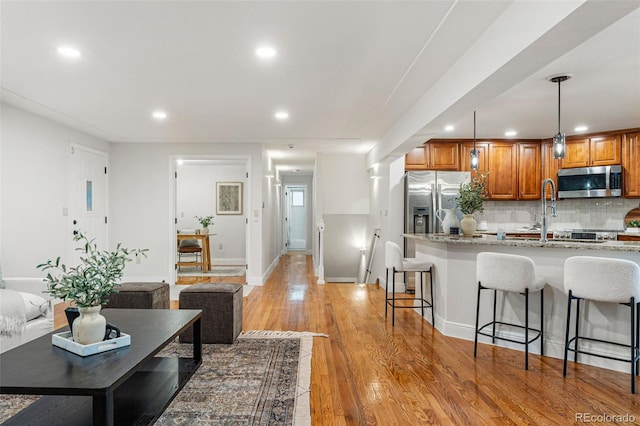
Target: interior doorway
(197,183)
(296,216)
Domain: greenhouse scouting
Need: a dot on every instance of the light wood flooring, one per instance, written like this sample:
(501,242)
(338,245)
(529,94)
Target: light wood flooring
(370,373)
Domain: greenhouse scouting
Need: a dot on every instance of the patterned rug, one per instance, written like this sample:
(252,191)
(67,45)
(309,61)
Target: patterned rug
(216,271)
(262,379)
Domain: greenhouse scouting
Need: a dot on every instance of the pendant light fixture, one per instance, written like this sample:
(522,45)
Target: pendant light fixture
(559,140)
(474,152)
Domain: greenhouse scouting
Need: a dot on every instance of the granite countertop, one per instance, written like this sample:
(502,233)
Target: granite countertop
(486,239)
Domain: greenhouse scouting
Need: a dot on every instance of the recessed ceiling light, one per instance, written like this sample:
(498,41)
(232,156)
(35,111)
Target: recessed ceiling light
(69,52)
(449,128)
(281,115)
(266,52)
(581,128)
(159,115)
(510,133)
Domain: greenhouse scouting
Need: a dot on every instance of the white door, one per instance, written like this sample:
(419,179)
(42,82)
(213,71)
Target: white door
(297,217)
(87,197)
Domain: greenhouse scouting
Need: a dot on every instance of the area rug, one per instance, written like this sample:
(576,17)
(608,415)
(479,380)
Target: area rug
(216,271)
(262,379)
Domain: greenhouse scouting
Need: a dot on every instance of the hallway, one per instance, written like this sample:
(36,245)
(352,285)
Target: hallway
(369,373)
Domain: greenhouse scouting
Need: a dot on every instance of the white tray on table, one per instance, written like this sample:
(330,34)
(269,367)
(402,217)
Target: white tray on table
(65,341)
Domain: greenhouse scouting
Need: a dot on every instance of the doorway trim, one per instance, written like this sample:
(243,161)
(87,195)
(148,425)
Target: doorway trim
(173,212)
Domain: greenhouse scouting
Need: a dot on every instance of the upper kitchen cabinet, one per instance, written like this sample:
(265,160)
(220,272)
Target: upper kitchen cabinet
(550,164)
(483,156)
(503,167)
(631,164)
(433,156)
(529,171)
(416,159)
(605,150)
(443,156)
(577,153)
(594,151)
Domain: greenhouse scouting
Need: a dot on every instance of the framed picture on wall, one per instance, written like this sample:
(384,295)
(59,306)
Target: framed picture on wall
(229,197)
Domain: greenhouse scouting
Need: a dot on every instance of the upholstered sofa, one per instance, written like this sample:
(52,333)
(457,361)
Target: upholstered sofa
(26,311)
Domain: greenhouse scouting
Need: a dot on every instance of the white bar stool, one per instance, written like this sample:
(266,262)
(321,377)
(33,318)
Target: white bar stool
(509,273)
(393,260)
(601,279)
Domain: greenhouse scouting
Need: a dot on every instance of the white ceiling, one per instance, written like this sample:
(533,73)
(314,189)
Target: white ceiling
(347,72)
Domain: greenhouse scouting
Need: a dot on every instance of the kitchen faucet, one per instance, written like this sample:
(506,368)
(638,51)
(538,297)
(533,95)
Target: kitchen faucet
(554,210)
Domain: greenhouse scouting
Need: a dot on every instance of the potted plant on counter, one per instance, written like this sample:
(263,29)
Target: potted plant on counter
(633,226)
(470,200)
(89,284)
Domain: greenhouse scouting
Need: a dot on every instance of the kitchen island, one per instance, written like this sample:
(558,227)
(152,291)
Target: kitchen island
(455,289)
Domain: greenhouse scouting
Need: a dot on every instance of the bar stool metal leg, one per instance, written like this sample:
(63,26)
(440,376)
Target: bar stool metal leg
(633,345)
(433,318)
(526,328)
(495,298)
(421,294)
(475,340)
(566,335)
(386,293)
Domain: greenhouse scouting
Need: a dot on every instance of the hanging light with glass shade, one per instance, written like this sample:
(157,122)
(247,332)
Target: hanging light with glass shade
(474,152)
(559,140)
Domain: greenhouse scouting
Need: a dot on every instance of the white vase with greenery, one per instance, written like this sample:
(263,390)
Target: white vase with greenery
(89,284)
(205,221)
(469,201)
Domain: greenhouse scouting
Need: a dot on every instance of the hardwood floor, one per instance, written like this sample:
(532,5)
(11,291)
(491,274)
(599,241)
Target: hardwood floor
(369,373)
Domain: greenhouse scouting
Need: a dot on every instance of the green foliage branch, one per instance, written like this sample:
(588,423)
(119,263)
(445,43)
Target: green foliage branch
(95,279)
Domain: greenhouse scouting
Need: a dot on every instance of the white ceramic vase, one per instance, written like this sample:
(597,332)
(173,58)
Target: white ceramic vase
(90,326)
(205,231)
(468,225)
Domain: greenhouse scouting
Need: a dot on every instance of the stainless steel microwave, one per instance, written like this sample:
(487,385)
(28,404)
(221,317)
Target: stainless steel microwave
(590,182)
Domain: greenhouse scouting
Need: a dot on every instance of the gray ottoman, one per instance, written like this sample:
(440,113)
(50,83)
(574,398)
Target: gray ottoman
(221,306)
(140,296)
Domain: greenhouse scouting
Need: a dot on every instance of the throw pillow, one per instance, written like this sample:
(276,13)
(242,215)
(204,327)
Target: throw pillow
(189,243)
(34,305)
(12,313)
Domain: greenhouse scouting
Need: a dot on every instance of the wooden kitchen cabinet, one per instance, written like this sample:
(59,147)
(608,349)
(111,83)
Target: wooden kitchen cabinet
(416,159)
(550,165)
(483,156)
(594,151)
(529,171)
(433,156)
(577,153)
(503,166)
(443,156)
(631,164)
(605,150)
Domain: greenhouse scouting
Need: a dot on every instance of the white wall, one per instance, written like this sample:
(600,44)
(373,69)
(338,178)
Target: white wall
(270,213)
(141,193)
(34,159)
(343,183)
(196,196)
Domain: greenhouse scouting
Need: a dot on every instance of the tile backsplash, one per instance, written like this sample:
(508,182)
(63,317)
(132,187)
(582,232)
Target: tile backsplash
(590,213)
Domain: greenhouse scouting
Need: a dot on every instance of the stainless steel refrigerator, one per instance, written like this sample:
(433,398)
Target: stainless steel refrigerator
(425,193)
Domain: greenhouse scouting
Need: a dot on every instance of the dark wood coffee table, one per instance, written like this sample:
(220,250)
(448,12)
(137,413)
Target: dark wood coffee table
(125,386)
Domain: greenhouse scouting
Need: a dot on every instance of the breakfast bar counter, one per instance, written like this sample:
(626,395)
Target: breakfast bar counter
(455,287)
